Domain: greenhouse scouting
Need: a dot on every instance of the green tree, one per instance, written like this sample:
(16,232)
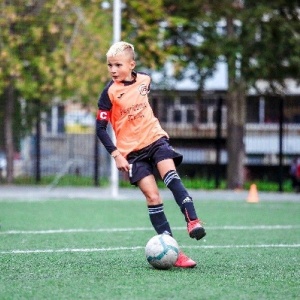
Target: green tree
(141,25)
(261,42)
(49,49)
(257,39)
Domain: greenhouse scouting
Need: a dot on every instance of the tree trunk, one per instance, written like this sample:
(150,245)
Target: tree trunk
(236,116)
(236,108)
(8,131)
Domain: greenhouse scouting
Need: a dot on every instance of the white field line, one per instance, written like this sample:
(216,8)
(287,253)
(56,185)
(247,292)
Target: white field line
(89,250)
(81,230)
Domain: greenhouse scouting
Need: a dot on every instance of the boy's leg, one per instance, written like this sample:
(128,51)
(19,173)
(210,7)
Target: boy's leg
(184,201)
(155,205)
(157,216)
(173,182)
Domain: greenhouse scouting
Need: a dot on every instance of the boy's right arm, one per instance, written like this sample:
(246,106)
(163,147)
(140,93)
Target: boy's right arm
(103,117)
(101,129)
(121,162)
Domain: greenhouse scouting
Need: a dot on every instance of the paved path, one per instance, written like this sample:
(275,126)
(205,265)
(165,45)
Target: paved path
(38,193)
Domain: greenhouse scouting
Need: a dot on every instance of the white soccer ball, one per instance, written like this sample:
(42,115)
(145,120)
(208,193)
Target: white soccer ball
(162,251)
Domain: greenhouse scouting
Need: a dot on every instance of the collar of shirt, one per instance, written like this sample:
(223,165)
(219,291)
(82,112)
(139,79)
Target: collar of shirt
(134,75)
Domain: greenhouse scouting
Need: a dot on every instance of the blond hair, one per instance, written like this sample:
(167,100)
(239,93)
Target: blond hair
(119,48)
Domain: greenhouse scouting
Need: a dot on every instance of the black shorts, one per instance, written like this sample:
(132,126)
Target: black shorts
(143,162)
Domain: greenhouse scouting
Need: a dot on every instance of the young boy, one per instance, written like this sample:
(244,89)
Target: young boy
(141,143)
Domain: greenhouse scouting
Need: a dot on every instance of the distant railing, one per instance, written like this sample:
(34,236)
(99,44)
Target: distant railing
(202,144)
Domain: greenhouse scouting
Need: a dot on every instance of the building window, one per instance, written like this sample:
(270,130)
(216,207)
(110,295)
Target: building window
(181,113)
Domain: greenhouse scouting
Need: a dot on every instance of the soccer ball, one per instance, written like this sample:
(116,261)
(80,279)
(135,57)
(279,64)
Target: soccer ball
(162,251)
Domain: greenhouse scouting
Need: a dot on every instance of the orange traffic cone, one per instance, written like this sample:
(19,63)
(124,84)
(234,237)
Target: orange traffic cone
(253,194)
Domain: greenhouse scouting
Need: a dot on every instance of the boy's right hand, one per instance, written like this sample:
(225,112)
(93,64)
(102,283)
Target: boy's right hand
(122,163)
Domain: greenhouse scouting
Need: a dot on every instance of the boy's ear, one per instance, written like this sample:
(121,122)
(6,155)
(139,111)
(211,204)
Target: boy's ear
(132,64)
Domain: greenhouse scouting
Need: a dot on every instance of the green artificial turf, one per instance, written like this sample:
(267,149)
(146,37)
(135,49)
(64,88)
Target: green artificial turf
(84,249)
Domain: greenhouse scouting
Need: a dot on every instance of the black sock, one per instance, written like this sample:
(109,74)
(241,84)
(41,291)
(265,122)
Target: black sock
(158,219)
(182,198)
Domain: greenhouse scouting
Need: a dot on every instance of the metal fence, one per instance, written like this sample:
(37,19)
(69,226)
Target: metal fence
(270,147)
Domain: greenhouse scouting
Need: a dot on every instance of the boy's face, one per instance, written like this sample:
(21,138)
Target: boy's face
(120,67)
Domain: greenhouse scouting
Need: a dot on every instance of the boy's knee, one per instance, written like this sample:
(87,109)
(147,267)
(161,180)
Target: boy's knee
(153,199)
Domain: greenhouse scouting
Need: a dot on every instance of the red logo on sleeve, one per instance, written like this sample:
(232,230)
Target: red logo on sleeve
(103,115)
